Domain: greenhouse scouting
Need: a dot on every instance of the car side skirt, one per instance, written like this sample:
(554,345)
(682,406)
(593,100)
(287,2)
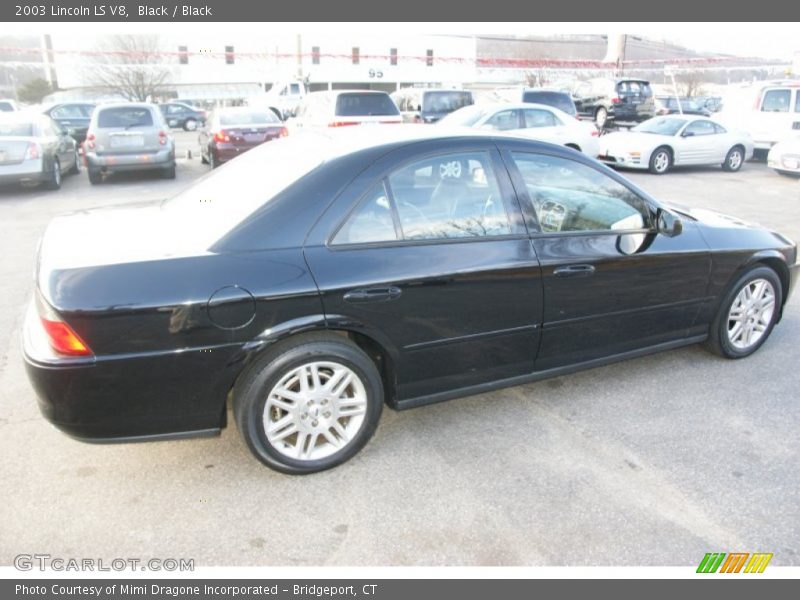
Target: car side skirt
(539,375)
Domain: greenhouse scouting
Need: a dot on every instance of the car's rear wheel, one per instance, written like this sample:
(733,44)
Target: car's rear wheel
(601,117)
(53,179)
(734,159)
(660,161)
(169,172)
(76,168)
(95,175)
(309,405)
(747,314)
(190,125)
(213,160)
(203,159)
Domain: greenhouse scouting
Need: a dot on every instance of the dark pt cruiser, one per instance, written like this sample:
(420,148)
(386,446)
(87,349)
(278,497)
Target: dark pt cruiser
(319,276)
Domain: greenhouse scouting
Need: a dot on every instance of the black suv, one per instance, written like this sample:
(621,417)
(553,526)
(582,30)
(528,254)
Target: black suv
(621,101)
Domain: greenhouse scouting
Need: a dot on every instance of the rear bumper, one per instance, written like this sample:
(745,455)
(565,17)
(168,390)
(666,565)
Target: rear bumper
(130,397)
(28,171)
(132,162)
(226,152)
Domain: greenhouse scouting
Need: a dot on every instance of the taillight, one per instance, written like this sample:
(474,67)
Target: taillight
(162,137)
(342,123)
(61,336)
(222,136)
(615,100)
(90,141)
(283,132)
(32,151)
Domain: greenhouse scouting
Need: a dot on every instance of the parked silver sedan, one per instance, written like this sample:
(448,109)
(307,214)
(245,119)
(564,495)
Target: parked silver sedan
(784,157)
(34,149)
(676,140)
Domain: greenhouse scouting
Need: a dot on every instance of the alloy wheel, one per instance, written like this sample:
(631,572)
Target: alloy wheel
(751,314)
(315,410)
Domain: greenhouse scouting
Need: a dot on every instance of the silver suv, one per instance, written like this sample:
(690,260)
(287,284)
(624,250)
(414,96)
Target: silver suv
(128,137)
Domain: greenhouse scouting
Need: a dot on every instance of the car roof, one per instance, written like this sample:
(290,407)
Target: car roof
(513,106)
(148,105)
(333,93)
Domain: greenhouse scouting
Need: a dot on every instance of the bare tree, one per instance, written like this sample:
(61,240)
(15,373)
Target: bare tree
(690,83)
(131,66)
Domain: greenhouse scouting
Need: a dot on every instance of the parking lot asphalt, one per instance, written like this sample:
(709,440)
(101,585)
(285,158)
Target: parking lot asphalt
(653,461)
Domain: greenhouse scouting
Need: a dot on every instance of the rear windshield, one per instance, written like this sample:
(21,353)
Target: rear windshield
(16,129)
(247,118)
(365,105)
(445,101)
(125,116)
(560,101)
(634,88)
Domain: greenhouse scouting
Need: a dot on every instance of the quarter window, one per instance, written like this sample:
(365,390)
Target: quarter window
(373,220)
(568,196)
(451,196)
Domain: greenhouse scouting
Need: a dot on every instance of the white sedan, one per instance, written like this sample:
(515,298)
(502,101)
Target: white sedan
(676,140)
(784,157)
(534,121)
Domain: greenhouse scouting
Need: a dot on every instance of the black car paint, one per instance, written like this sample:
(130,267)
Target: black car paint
(470,315)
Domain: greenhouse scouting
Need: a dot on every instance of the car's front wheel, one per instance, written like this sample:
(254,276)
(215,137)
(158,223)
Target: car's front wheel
(309,405)
(601,117)
(76,167)
(190,125)
(734,159)
(747,314)
(660,161)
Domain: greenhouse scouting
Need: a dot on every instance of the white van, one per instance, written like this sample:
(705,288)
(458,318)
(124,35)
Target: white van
(775,114)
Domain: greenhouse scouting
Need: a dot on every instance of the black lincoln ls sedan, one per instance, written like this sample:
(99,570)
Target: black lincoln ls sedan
(320,275)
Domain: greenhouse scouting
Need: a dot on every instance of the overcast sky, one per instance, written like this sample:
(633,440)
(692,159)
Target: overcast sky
(760,41)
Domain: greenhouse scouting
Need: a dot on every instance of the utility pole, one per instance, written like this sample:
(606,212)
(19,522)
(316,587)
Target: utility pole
(300,56)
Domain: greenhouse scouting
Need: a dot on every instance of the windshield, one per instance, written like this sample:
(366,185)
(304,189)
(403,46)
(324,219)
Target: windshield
(242,117)
(445,101)
(223,198)
(464,117)
(661,126)
(365,105)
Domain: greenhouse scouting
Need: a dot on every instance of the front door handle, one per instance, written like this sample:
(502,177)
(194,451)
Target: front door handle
(574,271)
(373,294)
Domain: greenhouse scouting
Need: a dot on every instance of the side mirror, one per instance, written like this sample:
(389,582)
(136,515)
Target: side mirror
(668,224)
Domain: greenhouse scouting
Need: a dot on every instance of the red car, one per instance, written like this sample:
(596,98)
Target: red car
(229,132)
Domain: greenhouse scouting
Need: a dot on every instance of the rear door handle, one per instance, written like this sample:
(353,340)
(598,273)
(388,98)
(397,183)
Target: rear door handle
(373,294)
(574,271)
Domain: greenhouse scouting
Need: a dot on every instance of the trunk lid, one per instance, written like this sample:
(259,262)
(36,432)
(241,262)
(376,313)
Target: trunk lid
(13,149)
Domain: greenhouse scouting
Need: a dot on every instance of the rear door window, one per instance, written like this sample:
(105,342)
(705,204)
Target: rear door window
(505,120)
(372,221)
(365,105)
(449,196)
(125,116)
(536,117)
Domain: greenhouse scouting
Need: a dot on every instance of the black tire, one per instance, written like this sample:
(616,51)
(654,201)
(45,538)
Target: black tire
(212,159)
(95,176)
(53,178)
(76,168)
(254,386)
(203,159)
(190,125)
(734,159)
(169,172)
(660,161)
(718,338)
